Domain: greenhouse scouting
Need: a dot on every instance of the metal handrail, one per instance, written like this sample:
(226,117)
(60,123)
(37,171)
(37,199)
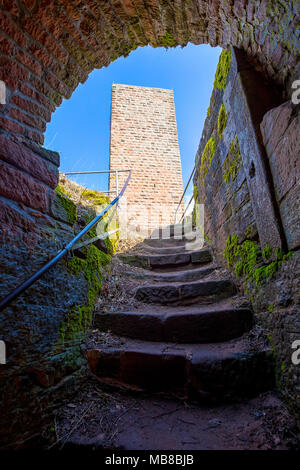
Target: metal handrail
(187,185)
(102,171)
(24,285)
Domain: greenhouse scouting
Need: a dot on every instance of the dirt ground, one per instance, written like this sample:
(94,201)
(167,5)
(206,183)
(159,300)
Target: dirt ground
(102,419)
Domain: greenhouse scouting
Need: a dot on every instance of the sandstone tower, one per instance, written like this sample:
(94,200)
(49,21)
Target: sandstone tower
(144,138)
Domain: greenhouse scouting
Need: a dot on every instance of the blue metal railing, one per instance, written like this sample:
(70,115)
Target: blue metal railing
(182,198)
(24,285)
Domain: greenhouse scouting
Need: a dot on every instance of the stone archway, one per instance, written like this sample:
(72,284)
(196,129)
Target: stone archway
(49,47)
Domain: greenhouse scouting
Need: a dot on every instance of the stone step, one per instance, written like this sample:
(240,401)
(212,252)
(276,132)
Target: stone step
(210,372)
(167,242)
(165,250)
(186,293)
(188,246)
(201,324)
(168,260)
(190,273)
(169,230)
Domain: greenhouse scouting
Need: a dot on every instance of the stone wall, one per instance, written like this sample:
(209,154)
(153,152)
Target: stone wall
(44,327)
(280,130)
(144,138)
(247,177)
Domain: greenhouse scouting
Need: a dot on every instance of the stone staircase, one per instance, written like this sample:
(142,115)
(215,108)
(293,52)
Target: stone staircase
(188,336)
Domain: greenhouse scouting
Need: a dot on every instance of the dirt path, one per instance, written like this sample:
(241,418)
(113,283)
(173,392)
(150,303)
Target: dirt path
(98,419)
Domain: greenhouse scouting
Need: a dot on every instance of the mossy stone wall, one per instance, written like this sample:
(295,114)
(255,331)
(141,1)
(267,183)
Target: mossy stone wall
(240,221)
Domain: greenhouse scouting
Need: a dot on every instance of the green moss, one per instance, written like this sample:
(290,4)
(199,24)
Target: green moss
(79,318)
(247,261)
(249,232)
(195,192)
(206,159)
(231,251)
(167,40)
(93,231)
(110,242)
(267,252)
(269,338)
(222,120)
(67,204)
(95,197)
(233,162)
(271,308)
(222,70)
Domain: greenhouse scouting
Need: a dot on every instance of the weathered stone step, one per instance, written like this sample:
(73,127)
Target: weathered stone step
(169,260)
(186,293)
(169,230)
(165,250)
(219,372)
(167,242)
(190,273)
(188,246)
(179,325)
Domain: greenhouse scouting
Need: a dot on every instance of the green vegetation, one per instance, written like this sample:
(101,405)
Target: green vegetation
(222,120)
(247,261)
(222,70)
(167,40)
(195,192)
(271,308)
(110,242)
(267,252)
(96,198)
(67,203)
(79,317)
(99,199)
(207,156)
(233,162)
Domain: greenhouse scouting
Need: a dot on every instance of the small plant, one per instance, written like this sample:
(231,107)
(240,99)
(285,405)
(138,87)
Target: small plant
(207,156)
(67,204)
(96,198)
(167,40)
(222,120)
(223,69)
(233,162)
(195,192)
(267,252)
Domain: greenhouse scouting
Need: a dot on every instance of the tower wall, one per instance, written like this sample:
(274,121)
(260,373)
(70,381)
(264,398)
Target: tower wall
(144,138)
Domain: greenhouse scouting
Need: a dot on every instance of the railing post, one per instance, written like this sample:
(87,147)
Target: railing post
(117,186)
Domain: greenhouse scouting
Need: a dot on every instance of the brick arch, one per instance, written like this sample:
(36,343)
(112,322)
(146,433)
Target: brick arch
(49,47)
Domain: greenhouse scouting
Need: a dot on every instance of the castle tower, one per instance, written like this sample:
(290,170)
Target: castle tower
(144,138)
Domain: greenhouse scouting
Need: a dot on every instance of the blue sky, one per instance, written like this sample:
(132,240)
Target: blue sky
(80,127)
